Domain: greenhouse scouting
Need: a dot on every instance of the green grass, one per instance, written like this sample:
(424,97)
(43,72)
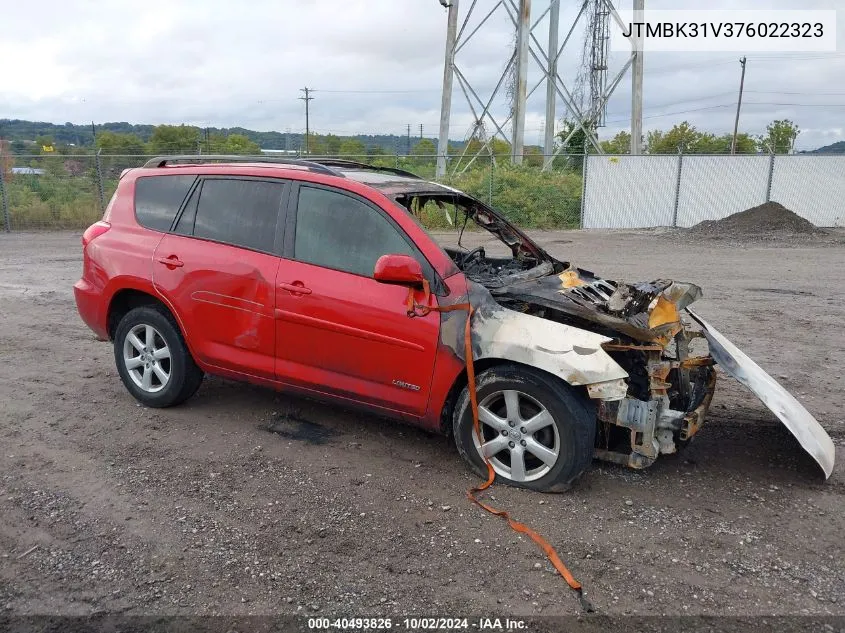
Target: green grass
(66,195)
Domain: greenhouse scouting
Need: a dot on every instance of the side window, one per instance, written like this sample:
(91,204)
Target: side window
(337,231)
(239,212)
(158,198)
(185,225)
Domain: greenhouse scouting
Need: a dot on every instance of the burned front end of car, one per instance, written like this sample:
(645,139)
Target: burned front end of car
(642,355)
(671,377)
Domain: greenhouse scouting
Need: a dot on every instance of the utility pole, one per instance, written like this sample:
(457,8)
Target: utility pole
(421,131)
(408,144)
(446,98)
(549,137)
(738,105)
(637,85)
(523,34)
(306,99)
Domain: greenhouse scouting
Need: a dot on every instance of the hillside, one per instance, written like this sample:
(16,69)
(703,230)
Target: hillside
(81,135)
(834,148)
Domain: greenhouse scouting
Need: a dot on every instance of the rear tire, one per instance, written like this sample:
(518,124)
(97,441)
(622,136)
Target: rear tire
(152,358)
(539,432)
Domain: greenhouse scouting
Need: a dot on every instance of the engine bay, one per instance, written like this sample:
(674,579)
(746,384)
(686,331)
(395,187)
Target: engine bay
(491,272)
(525,261)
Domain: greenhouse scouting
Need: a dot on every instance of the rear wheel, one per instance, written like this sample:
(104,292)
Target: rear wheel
(152,359)
(536,431)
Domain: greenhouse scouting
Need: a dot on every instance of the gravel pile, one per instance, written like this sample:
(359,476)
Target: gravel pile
(767,220)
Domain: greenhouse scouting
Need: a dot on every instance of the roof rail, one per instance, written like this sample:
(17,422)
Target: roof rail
(340,162)
(163,161)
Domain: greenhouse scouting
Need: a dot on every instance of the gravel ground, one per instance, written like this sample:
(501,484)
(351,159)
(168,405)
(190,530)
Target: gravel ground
(246,501)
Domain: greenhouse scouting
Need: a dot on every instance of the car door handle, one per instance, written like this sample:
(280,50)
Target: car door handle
(171,262)
(295,288)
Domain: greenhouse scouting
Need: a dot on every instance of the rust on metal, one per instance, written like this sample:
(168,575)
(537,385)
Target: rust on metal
(694,420)
(695,361)
(658,372)
(631,347)
(631,460)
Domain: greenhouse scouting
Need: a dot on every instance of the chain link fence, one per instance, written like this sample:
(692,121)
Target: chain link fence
(50,191)
(41,192)
(625,192)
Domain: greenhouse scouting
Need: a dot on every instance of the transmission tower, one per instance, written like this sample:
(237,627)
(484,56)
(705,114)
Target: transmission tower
(599,37)
(476,133)
(599,14)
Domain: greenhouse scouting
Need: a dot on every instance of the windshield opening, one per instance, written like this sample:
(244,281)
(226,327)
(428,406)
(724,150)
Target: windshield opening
(455,221)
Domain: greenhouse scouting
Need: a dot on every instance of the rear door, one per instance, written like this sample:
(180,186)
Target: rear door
(217,269)
(338,330)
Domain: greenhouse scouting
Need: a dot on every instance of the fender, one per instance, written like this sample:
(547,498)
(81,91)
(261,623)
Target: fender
(118,284)
(570,353)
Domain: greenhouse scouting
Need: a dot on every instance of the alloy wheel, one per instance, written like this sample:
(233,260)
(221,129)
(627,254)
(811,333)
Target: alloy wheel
(518,435)
(146,357)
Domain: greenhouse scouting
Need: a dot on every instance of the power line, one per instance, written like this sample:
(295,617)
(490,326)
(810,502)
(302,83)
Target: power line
(374,92)
(798,105)
(805,94)
(701,98)
(657,116)
(659,70)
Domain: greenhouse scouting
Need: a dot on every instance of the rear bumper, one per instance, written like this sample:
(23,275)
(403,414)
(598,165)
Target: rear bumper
(88,303)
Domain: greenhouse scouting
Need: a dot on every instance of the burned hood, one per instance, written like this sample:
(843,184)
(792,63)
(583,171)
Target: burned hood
(644,311)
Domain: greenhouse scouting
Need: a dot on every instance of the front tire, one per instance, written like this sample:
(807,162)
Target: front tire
(537,431)
(152,359)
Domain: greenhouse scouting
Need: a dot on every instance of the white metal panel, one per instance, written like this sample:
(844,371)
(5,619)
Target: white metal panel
(714,187)
(629,191)
(811,186)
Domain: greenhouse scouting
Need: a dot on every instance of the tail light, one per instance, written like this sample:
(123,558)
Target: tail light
(94,231)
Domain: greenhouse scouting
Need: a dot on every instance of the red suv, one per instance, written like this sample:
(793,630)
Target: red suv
(297,274)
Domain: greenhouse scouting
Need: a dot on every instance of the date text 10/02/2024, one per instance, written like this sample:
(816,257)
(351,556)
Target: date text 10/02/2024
(417,624)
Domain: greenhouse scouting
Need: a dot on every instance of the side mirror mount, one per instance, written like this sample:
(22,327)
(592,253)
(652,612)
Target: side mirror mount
(398,269)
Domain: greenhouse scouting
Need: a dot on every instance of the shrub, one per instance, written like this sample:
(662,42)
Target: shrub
(526,196)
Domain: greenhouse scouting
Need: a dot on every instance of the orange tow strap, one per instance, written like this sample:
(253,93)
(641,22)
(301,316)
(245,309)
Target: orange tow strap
(414,310)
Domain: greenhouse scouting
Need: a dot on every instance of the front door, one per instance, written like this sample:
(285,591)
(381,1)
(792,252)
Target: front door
(338,330)
(218,268)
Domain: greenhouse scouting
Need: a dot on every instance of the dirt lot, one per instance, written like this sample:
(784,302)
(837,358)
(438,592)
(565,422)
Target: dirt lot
(200,509)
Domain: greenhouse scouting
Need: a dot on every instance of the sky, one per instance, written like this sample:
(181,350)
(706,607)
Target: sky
(375,67)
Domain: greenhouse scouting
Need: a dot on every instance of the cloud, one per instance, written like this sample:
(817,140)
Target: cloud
(375,65)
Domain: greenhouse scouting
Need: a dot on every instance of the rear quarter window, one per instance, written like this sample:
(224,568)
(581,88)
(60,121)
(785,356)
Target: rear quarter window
(158,198)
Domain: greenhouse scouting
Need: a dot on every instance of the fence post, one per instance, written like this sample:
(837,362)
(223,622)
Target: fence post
(678,187)
(100,191)
(490,184)
(771,173)
(583,187)
(5,202)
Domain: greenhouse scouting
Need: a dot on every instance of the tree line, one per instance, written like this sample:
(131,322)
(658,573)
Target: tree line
(685,138)
(125,138)
(26,137)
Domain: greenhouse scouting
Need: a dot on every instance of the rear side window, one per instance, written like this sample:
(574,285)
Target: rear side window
(185,225)
(158,198)
(239,212)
